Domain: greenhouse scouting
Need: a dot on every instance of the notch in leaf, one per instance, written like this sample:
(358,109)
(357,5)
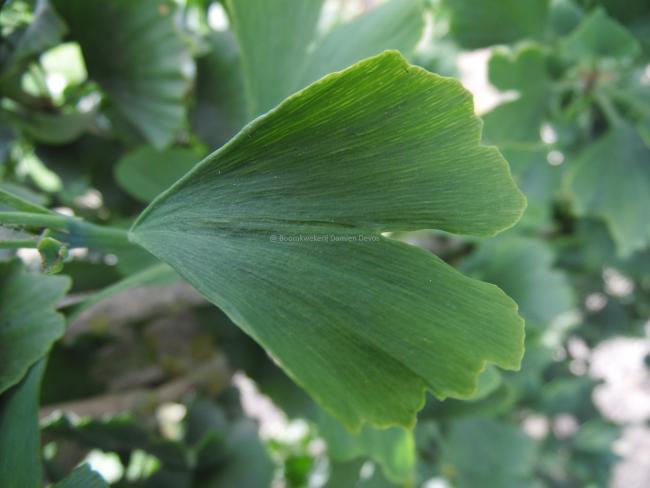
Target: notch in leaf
(281,228)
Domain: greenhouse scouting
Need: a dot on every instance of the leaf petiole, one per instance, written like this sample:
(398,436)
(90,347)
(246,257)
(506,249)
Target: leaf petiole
(71,230)
(19,244)
(31,219)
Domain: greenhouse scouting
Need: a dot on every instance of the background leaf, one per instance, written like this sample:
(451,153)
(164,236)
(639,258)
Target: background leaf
(20,465)
(599,36)
(611,180)
(523,268)
(138,57)
(480,24)
(82,477)
(29,323)
(275,56)
(393,449)
(146,172)
(472,459)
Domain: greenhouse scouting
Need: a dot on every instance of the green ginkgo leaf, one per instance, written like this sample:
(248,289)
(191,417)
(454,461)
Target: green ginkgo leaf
(393,449)
(45,30)
(281,229)
(611,180)
(138,57)
(282,53)
(471,457)
(480,24)
(20,457)
(29,323)
(520,120)
(82,477)
(523,268)
(146,171)
(600,36)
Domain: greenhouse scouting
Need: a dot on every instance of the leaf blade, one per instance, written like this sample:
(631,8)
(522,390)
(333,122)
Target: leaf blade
(29,322)
(214,227)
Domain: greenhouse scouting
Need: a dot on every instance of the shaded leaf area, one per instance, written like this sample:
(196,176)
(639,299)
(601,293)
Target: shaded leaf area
(540,182)
(611,180)
(564,16)
(393,449)
(44,31)
(121,435)
(49,128)
(304,304)
(494,403)
(145,172)
(275,39)
(20,456)
(150,275)
(520,120)
(138,58)
(588,110)
(99,155)
(220,109)
(480,24)
(215,450)
(624,10)
(470,457)
(600,36)
(523,268)
(592,458)
(82,477)
(29,323)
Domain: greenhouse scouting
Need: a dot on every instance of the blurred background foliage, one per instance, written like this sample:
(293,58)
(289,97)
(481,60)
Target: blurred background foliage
(103,104)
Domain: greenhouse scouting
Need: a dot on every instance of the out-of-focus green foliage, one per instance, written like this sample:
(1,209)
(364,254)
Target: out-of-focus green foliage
(106,104)
(30,323)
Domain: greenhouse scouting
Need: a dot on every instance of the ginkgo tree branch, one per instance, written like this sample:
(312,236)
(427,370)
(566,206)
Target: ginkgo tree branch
(214,375)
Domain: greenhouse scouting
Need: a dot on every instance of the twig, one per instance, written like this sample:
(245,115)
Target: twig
(131,306)
(214,375)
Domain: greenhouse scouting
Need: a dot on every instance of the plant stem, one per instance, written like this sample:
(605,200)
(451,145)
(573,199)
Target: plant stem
(32,244)
(84,234)
(73,231)
(33,219)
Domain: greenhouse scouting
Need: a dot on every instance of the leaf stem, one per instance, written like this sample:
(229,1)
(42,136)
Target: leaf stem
(85,234)
(19,244)
(31,219)
(71,230)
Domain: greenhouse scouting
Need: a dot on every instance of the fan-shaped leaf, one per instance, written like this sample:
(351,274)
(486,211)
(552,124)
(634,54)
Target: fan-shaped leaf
(611,180)
(276,42)
(138,58)
(280,228)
